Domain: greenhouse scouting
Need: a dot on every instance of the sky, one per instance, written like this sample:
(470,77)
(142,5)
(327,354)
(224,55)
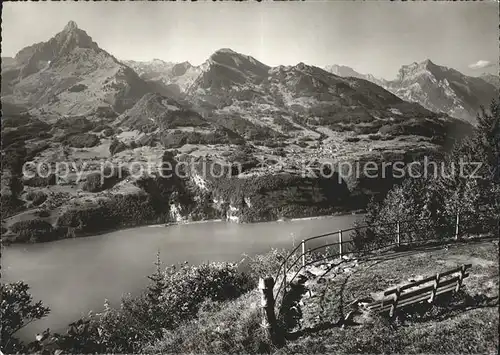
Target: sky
(375,37)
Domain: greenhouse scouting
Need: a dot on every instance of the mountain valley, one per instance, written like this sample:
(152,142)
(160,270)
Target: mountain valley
(281,134)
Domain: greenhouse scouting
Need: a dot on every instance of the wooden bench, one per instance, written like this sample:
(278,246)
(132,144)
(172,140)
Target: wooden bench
(418,291)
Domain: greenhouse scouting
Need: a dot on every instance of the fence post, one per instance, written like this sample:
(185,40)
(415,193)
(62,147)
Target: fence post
(340,243)
(303,253)
(434,290)
(395,302)
(457,226)
(267,304)
(398,240)
(460,278)
(284,275)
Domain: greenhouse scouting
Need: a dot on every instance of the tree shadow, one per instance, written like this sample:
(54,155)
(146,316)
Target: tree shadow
(290,313)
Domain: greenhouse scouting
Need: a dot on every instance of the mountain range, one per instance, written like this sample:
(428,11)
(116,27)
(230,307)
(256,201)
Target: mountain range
(437,88)
(67,99)
(70,75)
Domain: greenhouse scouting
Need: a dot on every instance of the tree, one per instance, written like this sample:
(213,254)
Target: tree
(17,311)
(155,289)
(487,139)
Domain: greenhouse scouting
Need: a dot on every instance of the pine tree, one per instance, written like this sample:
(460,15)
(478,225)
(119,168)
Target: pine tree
(158,284)
(487,140)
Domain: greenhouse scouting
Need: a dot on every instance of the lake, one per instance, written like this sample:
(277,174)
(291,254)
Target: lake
(73,276)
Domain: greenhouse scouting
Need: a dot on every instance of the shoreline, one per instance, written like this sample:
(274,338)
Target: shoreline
(6,243)
(180,223)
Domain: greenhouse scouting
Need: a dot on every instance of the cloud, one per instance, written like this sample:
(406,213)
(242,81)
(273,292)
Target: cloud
(481,64)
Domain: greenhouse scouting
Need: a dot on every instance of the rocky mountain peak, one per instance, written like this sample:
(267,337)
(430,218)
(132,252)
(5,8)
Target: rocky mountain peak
(71,37)
(71,26)
(180,68)
(225,50)
(414,69)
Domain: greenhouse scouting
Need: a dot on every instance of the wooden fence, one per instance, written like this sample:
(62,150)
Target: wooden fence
(406,233)
(401,233)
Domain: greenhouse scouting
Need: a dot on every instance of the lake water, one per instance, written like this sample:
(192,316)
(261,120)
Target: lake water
(74,276)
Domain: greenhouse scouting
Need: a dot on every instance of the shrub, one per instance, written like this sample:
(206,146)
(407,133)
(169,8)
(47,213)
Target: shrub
(352,139)
(37,197)
(117,146)
(284,124)
(77,88)
(100,127)
(74,125)
(104,180)
(33,230)
(10,205)
(17,311)
(265,264)
(82,140)
(174,297)
(39,181)
(42,213)
(229,327)
(107,132)
(21,134)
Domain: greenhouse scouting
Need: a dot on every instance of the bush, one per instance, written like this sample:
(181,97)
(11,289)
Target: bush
(107,132)
(352,139)
(74,125)
(174,297)
(229,327)
(10,205)
(117,146)
(100,127)
(42,213)
(39,181)
(265,264)
(77,88)
(33,230)
(37,197)
(82,140)
(104,180)
(17,311)
(284,124)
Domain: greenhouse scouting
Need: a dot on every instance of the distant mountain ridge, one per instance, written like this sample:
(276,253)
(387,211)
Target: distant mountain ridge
(437,88)
(175,76)
(345,71)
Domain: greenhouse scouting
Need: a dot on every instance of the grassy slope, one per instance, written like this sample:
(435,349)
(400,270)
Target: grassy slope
(467,326)
(464,324)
